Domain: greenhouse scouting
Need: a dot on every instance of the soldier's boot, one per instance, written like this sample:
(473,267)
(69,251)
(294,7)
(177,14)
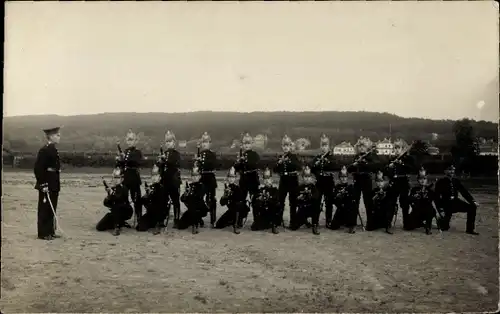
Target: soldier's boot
(213,217)
(388,230)
(315,229)
(328,217)
(177,214)
(275,229)
(428,231)
(116,232)
(235,229)
(334,225)
(195,229)
(157,229)
(308,224)
(351,230)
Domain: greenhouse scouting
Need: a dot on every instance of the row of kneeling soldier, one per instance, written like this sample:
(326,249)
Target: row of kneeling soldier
(309,188)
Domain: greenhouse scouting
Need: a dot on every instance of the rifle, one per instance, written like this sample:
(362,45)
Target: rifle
(106,186)
(197,155)
(363,156)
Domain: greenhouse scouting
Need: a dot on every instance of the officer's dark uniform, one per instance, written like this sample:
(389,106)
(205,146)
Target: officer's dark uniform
(447,201)
(343,197)
(323,167)
(169,165)
(120,209)
(287,167)
(308,201)
(247,166)
(362,176)
(47,173)
(267,212)
(207,162)
(399,182)
(130,165)
(382,211)
(422,207)
(237,208)
(196,207)
(156,212)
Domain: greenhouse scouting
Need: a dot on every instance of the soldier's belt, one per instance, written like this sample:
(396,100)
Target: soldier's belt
(207,171)
(130,168)
(53,170)
(250,171)
(289,173)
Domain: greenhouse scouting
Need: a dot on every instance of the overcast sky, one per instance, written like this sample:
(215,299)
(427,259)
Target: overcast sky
(425,59)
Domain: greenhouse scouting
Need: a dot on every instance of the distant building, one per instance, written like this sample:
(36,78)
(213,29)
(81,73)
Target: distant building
(385,147)
(182,144)
(260,141)
(344,148)
(433,150)
(488,148)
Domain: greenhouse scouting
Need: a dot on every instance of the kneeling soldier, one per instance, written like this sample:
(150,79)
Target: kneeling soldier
(308,202)
(422,208)
(117,202)
(233,198)
(193,199)
(265,205)
(156,212)
(383,210)
(344,199)
(447,200)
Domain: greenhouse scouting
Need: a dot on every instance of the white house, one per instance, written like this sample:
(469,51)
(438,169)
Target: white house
(488,148)
(385,147)
(182,144)
(344,148)
(260,141)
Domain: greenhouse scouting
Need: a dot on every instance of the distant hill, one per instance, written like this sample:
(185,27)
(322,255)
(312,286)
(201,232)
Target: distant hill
(99,133)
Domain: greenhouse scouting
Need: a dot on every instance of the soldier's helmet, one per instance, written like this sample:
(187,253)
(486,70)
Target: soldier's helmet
(131,135)
(266,174)
(155,170)
(324,140)
(231,173)
(343,172)
(306,171)
(117,173)
(247,139)
(380,177)
(195,171)
(205,138)
(169,136)
(422,174)
(286,140)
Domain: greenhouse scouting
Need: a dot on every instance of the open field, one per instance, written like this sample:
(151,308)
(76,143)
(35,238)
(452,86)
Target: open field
(217,271)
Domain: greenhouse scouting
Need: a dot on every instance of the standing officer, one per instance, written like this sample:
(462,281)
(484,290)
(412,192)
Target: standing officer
(206,161)
(47,173)
(323,169)
(247,166)
(169,164)
(447,200)
(130,162)
(287,167)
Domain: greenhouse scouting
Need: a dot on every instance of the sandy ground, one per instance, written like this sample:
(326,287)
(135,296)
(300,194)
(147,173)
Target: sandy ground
(217,271)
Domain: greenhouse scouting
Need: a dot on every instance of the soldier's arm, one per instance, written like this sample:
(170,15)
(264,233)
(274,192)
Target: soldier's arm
(468,197)
(438,188)
(175,161)
(40,168)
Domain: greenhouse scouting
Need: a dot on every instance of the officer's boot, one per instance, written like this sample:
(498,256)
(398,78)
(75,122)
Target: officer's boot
(177,216)
(315,229)
(195,229)
(157,229)
(351,230)
(116,232)
(275,229)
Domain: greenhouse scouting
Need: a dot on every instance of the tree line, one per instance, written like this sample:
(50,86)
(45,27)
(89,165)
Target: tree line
(99,133)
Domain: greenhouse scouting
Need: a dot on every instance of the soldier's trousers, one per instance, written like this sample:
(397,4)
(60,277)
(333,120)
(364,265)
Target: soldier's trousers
(325,186)
(116,218)
(155,216)
(229,217)
(288,186)
(173,193)
(45,216)
(345,216)
(305,212)
(189,218)
(210,183)
(135,195)
(459,206)
(265,218)
(420,216)
(400,189)
(249,184)
(363,184)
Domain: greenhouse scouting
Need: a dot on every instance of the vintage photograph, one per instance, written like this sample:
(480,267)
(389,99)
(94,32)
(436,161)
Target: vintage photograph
(253,157)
